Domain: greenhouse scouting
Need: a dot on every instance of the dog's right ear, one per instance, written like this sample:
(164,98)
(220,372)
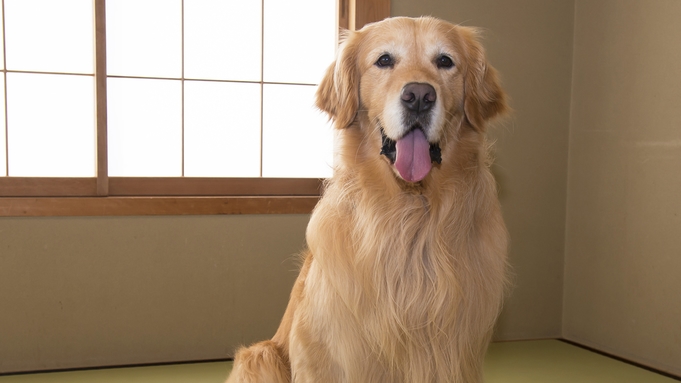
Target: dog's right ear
(338,93)
(483,97)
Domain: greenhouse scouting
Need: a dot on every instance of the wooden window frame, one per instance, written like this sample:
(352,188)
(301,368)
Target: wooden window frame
(115,196)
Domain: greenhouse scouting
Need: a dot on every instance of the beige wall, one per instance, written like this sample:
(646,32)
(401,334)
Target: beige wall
(530,43)
(78,292)
(623,253)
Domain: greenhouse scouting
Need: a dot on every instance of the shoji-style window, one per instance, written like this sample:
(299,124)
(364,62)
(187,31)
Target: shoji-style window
(218,88)
(165,102)
(48,89)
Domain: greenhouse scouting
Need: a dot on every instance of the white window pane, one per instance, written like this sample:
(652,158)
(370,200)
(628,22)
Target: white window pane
(297,138)
(222,39)
(48,35)
(222,129)
(51,125)
(144,38)
(144,127)
(299,40)
(3,132)
(2,39)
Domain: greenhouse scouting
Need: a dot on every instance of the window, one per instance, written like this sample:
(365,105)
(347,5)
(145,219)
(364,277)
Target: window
(49,89)
(216,87)
(175,115)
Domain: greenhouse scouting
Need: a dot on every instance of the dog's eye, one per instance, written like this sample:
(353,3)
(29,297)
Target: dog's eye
(444,62)
(385,61)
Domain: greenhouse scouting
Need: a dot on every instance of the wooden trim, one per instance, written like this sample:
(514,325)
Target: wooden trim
(100,99)
(47,187)
(369,11)
(344,14)
(354,14)
(130,206)
(187,186)
(48,72)
(143,186)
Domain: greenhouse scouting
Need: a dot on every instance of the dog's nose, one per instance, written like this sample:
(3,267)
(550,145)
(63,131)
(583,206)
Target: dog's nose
(418,96)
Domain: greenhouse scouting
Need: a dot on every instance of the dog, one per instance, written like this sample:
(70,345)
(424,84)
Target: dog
(405,269)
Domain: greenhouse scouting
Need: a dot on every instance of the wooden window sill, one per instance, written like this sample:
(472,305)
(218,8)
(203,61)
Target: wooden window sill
(32,197)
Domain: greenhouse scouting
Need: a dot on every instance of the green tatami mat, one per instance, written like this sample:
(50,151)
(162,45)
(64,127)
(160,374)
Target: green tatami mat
(214,372)
(512,362)
(559,362)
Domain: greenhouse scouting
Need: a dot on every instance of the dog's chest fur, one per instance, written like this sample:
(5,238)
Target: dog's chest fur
(397,288)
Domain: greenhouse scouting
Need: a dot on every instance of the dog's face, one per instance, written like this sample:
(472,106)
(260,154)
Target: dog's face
(411,85)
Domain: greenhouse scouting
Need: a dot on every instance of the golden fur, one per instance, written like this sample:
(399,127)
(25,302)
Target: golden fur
(402,281)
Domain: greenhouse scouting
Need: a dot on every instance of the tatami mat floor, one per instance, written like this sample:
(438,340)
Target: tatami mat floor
(511,362)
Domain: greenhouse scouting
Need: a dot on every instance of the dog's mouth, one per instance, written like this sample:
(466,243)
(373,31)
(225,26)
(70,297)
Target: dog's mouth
(412,155)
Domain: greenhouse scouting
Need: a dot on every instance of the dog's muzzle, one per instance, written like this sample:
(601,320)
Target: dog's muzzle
(412,154)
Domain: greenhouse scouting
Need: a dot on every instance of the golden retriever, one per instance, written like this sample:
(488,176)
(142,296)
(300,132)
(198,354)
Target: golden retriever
(404,275)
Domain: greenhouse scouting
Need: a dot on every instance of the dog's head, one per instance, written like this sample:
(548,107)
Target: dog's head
(412,86)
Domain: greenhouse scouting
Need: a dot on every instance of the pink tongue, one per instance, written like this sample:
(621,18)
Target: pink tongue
(413,156)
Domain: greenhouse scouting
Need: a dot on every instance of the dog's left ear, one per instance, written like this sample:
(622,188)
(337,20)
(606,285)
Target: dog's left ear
(338,93)
(483,96)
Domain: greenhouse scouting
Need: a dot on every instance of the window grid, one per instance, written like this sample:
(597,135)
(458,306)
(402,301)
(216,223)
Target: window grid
(81,72)
(100,75)
(5,72)
(183,79)
(177,195)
